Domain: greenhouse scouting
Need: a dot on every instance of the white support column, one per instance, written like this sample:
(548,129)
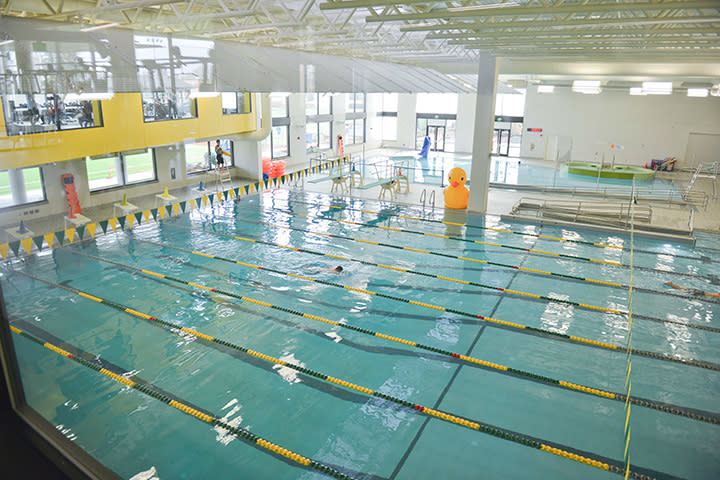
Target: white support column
(17,186)
(482,138)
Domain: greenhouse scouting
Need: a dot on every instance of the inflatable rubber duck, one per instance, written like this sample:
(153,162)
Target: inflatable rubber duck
(457,194)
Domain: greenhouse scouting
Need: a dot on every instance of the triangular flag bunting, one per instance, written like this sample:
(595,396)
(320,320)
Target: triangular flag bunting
(282,179)
(113,223)
(49,239)
(38,241)
(91,228)
(225,194)
(138,217)
(305,172)
(183,205)
(247,189)
(80,231)
(129,220)
(192,204)
(121,221)
(15,246)
(154,213)
(275,182)
(70,233)
(168,209)
(204,200)
(219,196)
(176,208)
(161,213)
(212,199)
(237,191)
(4,250)
(27,243)
(146,216)
(103,225)
(60,236)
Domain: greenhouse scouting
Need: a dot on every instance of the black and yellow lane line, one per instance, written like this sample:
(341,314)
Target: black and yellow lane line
(570,453)
(510,326)
(478,242)
(695,414)
(128,379)
(442,277)
(702,258)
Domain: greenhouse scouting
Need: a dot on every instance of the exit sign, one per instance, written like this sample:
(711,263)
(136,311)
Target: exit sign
(534,129)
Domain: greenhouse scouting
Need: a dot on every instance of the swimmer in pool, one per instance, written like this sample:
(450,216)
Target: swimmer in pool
(694,291)
(316,269)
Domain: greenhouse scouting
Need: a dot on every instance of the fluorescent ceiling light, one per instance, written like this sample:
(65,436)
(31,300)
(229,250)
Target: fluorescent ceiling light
(697,92)
(546,88)
(6,42)
(586,86)
(657,88)
(96,96)
(637,91)
(99,27)
(204,94)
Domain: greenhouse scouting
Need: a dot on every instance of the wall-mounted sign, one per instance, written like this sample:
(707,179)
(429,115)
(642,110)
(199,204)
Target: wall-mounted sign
(534,130)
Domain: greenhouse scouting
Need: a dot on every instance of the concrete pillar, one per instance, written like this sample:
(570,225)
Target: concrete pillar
(17,186)
(406,124)
(482,138)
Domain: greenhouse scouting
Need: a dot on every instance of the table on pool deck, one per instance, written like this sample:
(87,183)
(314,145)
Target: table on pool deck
(76,221)
(126,208)
(164,199)
(16,235)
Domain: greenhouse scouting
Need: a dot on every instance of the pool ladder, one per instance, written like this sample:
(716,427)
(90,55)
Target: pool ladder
(429,199)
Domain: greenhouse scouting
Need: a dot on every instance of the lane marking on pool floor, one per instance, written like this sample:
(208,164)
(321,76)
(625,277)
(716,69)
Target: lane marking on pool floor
(152,390)
(510,326)
(679,410)
(466,240)
(589,458)
(701,258)
(516,268)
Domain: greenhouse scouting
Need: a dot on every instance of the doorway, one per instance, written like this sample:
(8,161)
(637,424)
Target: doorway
(501,142)
(437,135)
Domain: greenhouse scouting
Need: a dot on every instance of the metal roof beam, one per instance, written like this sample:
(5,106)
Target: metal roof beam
(592,7)
(573,33)
(111,7)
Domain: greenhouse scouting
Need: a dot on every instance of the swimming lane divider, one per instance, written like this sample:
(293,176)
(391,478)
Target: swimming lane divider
(440,277)
(516,437)
(152,391)
(695,414)
(701,258)
(466,240)
(516,327)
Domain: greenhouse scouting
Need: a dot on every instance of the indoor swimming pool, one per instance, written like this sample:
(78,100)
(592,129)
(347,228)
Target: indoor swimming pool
(223,343)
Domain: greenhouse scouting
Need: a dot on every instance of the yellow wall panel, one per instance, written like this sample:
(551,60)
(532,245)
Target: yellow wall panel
(123,129)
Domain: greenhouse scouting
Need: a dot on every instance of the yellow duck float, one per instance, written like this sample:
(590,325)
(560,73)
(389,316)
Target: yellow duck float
(457,194)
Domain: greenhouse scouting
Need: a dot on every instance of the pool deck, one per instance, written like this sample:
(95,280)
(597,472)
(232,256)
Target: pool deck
(500,200)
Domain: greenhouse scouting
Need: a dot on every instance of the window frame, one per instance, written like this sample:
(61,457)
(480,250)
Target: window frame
(12,130)
(227,111)
(193,108)
(354,116)
(122,174)
(33,202)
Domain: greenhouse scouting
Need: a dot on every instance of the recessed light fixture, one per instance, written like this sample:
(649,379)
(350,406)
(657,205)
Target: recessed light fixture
(586,86)
(546,88)
(657,88)
(697,92)
(637,91)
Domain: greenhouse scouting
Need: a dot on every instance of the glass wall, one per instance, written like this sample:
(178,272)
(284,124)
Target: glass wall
(388,113)
(34,187)
(158,106)
(277,144)
(236,102)
(318,121)
(126,168)
(355,116)
(39,113)
(200,156)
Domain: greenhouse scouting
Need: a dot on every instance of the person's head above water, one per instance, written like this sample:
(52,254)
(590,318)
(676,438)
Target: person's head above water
(338,269)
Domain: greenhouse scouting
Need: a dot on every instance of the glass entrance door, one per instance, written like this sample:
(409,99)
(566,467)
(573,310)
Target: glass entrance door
(437,135)
(501,142)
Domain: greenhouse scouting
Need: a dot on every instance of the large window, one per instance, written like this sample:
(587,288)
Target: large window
(200,156)
(389,116)
(52,112)
(158,106)
(277,144)
(236,102)
(29,187)
(115,170)
(354,118)
(318,118)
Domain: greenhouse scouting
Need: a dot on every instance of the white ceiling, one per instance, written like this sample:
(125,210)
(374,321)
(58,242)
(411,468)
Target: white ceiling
(536,40)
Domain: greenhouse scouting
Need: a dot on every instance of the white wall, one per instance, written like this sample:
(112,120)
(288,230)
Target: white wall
(647,127)
(407,108)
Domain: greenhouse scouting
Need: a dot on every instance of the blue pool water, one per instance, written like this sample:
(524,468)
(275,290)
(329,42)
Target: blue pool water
(362,436)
